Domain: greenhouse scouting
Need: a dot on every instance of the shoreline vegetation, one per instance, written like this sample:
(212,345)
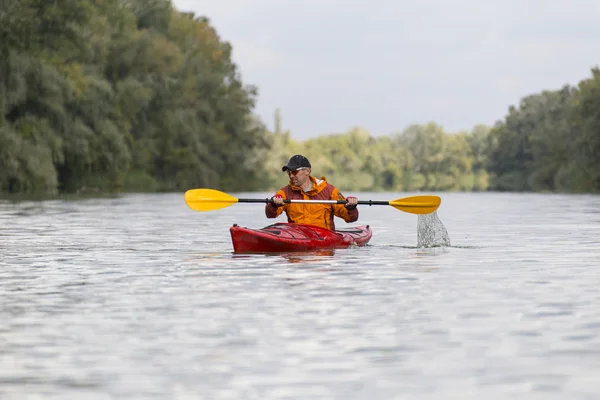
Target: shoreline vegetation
(113,96)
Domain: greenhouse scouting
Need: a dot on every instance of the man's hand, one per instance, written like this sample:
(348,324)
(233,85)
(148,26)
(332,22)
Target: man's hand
(277,200)
(351,202)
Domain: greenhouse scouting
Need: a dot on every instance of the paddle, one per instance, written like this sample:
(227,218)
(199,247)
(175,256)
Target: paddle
(210,199)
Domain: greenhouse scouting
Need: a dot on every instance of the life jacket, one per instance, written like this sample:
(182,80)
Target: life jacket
(312,213)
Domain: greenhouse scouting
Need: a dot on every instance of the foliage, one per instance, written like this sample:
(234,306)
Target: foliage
(550,142)
(121,95)
(422,157)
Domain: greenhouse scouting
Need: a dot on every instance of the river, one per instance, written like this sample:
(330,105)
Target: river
(139,297)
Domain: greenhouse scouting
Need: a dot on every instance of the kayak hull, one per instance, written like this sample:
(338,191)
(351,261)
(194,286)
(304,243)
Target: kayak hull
(290,237)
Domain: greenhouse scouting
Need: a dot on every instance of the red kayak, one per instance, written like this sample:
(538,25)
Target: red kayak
(289,237)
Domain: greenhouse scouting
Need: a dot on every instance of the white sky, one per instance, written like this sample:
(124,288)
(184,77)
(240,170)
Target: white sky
(330,65)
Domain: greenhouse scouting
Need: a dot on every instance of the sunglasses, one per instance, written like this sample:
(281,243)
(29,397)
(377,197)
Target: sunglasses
(295,172)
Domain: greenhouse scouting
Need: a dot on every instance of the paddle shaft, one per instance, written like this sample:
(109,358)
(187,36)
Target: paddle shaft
(369,202)
(211,199)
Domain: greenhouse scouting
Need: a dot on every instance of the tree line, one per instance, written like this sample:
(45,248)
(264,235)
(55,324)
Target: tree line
(133,95)
(120,95)
(550,142)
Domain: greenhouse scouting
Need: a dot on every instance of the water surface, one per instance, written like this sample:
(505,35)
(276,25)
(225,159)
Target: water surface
(139,297)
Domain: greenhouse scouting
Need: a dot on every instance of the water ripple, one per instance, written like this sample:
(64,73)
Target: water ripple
(138,297)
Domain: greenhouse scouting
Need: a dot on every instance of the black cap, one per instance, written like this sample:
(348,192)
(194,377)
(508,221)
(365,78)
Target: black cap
(296,162)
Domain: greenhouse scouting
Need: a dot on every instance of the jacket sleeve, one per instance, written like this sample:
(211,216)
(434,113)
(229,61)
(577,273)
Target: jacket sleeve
(340,210)
(271,211)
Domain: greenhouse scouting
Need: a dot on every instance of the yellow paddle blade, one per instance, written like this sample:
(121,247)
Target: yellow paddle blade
(417,204)
(208,199)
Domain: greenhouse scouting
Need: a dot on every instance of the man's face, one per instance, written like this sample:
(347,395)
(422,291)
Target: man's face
(299,176)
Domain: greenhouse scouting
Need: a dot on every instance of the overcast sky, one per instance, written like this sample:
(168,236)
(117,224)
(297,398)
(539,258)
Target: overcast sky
(330,65)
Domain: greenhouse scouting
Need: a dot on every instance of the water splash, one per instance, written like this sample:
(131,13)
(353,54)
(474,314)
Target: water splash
(431,232)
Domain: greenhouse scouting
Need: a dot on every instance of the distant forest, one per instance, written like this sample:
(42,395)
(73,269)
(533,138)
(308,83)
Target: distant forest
(135,96)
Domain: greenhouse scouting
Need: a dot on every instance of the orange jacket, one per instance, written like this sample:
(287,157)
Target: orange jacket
(312,213)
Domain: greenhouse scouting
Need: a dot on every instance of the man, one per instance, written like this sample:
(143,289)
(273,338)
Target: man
(304,186)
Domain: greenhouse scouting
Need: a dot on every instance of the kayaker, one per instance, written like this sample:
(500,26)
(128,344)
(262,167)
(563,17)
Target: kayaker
(303,186)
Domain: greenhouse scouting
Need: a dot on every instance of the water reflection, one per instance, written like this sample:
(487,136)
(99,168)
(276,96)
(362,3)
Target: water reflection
(297,257)
(210,259)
